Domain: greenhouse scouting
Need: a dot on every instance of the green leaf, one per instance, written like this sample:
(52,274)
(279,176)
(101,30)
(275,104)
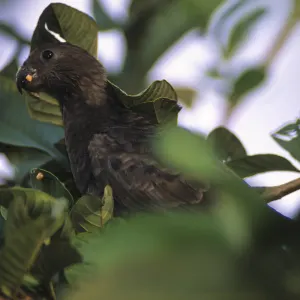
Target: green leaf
(103,20)
(24,159)
(190,154)
(18,129)
(107,208)
(260,163)
(226,145)
(44,108)
(288,137)
(241,30)
(144,236)
(159,101)
(24,235)
(90,213)
(71,24)
(45,181)
(186,95)
(247,81)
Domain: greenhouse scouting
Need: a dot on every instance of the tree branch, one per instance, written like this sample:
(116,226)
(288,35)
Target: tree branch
(273,193)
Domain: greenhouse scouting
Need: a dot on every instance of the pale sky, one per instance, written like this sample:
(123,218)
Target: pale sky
(263,111)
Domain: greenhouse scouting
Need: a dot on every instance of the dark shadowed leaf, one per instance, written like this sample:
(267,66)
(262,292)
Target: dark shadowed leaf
(288,137)
(226,145)
(71,24)
(241,30)
(90,213)
(247,81)
(45,181)
(261,163)
(18,129)
(53,258)
(24,159)
(103,20)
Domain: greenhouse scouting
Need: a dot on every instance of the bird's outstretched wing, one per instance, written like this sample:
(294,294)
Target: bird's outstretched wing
(139,182)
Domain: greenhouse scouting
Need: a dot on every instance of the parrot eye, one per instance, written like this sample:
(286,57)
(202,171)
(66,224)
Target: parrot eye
(47,54)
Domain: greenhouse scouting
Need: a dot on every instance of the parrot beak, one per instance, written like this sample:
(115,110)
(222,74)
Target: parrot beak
(24,77)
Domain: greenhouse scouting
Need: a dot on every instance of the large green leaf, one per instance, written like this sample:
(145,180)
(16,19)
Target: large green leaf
(71,24)
(18,129)
(25,233)
(226,145)
(288,137)
(91,213)
(251,165)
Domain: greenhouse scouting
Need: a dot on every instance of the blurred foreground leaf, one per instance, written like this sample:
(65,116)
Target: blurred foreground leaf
(171,256)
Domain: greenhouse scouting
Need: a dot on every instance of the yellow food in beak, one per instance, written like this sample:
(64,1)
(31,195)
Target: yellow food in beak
(28,77)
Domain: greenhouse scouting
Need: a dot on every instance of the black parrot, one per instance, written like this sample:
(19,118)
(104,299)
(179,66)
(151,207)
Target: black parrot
(106,142)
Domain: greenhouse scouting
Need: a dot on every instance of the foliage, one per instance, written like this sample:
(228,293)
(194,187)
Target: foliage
(58,243)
